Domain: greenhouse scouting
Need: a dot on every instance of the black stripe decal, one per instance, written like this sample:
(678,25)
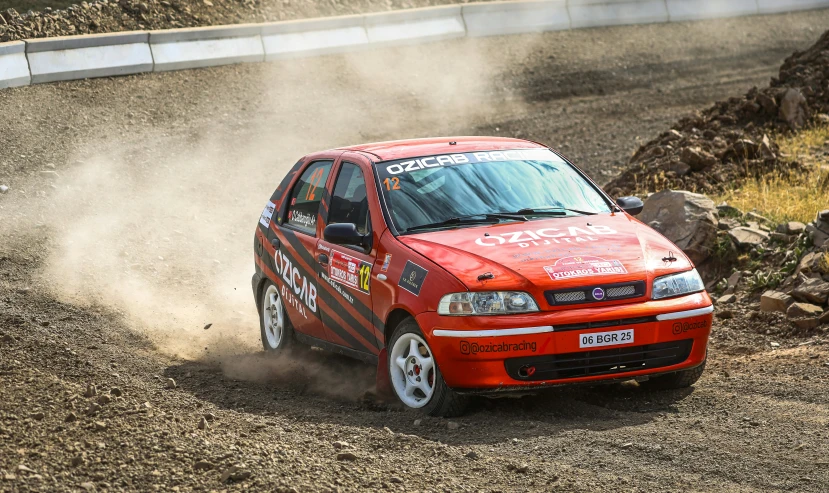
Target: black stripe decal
(331,300)
(321,295)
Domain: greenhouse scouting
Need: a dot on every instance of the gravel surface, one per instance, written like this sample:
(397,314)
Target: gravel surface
(126,229)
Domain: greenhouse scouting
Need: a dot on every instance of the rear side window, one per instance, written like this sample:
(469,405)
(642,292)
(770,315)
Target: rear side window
(349,204)
(304,203)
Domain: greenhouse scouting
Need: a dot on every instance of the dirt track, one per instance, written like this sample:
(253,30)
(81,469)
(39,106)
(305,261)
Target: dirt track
(128,225)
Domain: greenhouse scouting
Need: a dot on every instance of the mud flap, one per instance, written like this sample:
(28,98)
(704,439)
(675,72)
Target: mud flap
(383,381)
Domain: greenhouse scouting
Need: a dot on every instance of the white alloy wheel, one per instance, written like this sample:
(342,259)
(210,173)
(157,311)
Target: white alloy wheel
(273,317)
(412,370)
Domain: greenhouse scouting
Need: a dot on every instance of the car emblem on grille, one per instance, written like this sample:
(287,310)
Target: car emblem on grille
(598,294)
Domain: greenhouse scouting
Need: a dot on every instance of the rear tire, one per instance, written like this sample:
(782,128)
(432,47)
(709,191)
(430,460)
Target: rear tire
(275,328)
(415,376)
(677,380)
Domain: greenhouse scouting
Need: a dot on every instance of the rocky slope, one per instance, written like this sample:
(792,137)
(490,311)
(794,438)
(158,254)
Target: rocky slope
(101,16)
(718,148)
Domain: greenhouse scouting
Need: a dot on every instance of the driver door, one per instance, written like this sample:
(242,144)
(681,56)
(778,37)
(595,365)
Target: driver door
(347,269)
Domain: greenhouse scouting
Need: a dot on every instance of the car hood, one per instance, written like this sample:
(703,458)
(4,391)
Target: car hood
(551,253)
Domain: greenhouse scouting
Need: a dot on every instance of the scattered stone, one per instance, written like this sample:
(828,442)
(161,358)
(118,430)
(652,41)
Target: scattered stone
(806,323)
(209,417)
(774,344)
(77,461)
(24,468)
(203,465)
(794,109)
(813,291)
(726,223)
(8,338)
(396,480)
(688,219)
(4,188)
(472,455)
(341,445)
(791,228)
(93,409)
(170,384)
(115,391)
(349,456)
(418,422)
(803,310)
(627,445)
(71,418)
(745,237)
(697,159)
(729,298)
(753,216)
(452,425)
(100,426)
(91,390)
(203,425)
(734,279)
(208,326)
(725,314)
(104,399)
(824,319)
(775,301)
(88,486)
(520,468)
(235,473)
(37,416)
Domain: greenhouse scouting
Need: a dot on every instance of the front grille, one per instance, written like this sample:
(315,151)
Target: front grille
(596,293)
(621,291)
(570,297)
(599,362)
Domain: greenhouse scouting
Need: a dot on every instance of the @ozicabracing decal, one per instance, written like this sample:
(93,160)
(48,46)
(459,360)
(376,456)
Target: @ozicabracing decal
(571,267)
(412,278)
(349,271)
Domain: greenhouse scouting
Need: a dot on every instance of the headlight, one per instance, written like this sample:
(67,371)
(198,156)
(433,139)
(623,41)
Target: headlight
(487,303)
(677,284)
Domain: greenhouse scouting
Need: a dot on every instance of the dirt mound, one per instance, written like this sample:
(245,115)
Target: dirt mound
(104,16)
(718,148)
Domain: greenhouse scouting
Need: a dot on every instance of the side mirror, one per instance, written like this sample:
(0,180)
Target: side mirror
(631,205)
(345,234)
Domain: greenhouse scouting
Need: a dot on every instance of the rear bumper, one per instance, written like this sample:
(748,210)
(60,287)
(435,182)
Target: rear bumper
(489,353)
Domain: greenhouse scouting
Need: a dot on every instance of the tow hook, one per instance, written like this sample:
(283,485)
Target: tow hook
(526,371)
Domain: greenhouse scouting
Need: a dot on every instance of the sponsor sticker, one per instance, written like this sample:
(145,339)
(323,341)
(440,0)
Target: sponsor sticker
(386,263)
(473,348)
(572,267)
(297,290)
(412,278)
(349,271)
(267,214)
(303,218)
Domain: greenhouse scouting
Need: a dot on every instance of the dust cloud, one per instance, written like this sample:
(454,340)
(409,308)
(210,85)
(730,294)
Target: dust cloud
(158,223)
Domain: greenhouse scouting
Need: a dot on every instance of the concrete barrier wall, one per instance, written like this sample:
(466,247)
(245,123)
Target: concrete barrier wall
(499,18)
(14,68)
(82,57)
(177,49)
(102,55)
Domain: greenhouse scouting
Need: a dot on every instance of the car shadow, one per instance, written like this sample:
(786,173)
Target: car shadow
(314,386)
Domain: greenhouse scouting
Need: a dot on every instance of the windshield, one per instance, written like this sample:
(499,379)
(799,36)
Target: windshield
(436,190)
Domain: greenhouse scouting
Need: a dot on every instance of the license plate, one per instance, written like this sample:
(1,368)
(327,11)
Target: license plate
(599,339)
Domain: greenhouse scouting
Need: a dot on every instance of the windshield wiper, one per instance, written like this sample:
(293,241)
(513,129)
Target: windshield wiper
(470,219)
(554,211)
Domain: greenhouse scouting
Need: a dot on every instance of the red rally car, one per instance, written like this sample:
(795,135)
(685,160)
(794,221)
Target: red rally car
(469,265)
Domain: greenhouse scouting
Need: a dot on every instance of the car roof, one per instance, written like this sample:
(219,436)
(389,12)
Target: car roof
(402,149)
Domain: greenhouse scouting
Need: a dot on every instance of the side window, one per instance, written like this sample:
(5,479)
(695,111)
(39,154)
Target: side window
(349,204)
(305,198)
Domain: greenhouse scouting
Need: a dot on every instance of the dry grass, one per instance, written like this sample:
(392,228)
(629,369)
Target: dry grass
(796,198)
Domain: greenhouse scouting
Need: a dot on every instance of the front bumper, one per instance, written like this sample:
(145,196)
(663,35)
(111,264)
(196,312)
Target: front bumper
(545,348)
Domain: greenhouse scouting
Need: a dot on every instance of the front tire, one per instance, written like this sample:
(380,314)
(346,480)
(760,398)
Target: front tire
(275,328)
(678,380)
(415,376)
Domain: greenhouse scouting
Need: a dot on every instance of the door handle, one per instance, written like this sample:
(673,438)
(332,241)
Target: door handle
(275,243)
(322,259)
